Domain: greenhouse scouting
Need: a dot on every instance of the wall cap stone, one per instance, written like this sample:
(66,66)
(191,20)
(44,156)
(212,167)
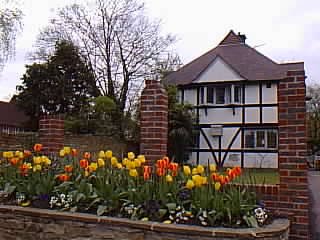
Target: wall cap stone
(276,228)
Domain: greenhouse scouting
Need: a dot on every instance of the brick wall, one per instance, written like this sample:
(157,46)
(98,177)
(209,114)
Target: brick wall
(18,141)
(154,121)
(51,133)
(293,191)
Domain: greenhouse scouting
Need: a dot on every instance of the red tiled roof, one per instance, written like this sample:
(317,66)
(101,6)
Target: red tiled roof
(245,60)
(10,115)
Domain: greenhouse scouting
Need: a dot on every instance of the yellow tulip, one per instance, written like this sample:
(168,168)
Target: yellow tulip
(93,167)
(18,154)
(28,165)
(114,161)
(190,184)
(108,154)
(137,162)
(119,165)
(62,153)
(37,160)
(212,167)
(67,150)
(197,179)
(200,169)
(125,161)
(169,178)
(194,171)
(8,154)
(101,162)
(186,170)
(142,158)
(47,161)
(131,165)
(217,186)
(101,154)
(37,168)
(131,155)
(133,173)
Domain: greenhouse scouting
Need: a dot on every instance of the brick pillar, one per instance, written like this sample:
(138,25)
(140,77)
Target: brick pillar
(51,133)
(154,121)
(293,193)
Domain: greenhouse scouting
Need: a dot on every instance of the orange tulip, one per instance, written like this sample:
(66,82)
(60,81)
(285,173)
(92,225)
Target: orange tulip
(161,172)
(74,152)
(84,163)
(14,161)
(24,168)
(146,176)
(37,147)
(68,168)
(63,177)
(167,161)
(161,163)
(27,153)
(87,155)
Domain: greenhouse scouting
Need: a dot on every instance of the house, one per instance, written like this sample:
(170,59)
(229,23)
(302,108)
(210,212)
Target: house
(234,91)
(12,120)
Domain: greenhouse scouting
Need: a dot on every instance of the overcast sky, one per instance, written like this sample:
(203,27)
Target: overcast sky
(286,30)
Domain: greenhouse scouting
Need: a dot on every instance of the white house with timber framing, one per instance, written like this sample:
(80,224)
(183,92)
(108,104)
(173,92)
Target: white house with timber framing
(234,91)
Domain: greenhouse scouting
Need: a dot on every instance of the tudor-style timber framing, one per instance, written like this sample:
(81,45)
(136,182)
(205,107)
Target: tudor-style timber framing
(234,92)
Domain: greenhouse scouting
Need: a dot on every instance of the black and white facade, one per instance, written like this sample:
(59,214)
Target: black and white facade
(234,91)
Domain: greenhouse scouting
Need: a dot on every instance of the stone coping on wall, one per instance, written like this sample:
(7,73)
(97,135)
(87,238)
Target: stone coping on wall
(278,227)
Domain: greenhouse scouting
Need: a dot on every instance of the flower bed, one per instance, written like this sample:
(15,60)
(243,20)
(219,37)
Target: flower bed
(165,192)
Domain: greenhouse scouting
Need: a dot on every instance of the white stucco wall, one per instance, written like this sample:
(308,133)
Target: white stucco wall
(252,94)
(269,95)
(270,114)
(220,115)
(219,71)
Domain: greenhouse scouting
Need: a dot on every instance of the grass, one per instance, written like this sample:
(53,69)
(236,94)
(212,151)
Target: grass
(259,176)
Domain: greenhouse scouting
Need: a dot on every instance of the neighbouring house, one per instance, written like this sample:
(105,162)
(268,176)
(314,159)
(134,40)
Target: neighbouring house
(234,91)
(12,120)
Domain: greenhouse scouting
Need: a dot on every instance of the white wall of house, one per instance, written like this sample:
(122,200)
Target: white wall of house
(218,71)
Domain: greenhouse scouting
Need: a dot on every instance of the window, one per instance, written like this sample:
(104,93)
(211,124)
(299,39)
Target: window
(202,95)
(223,95)
(237,94)
(263,139)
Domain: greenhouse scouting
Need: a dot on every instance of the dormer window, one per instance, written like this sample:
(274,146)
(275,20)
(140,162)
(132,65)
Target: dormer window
(223,94)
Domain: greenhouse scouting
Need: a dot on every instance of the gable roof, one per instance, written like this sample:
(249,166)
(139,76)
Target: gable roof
(245,60)
(10,115)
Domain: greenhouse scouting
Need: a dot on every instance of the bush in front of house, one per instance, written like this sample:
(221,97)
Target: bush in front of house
(105,185)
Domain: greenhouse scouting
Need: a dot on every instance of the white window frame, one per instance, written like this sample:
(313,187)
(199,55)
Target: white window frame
(266,145)
(228,99)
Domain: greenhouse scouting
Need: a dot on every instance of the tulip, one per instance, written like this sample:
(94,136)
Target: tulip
(131,155)
(67,150)
(142,158)
(186,170)
(212,167)
(169,178)
(114,161)
(86,155)
(68,168)
(217,186)
(108,154)
(37,168)
(101,162)
(62,153)
(14,161)
(84,163)
(133,172)
(37,147)
(93,167)
(63,177)
(190,184)
(36,160)
(101,154)
(200,169)
(74,152)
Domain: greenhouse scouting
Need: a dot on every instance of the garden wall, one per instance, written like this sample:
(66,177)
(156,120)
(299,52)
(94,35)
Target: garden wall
(27,223)
(18,141)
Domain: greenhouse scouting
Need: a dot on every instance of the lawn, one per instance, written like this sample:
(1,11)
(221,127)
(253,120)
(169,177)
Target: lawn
(259,176)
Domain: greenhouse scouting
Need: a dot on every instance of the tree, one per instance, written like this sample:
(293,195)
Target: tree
(181,122)
(10,23)
(64,84)
(118,41)
(313,117)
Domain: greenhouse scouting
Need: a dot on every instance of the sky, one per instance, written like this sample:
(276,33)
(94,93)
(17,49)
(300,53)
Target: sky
(285,31)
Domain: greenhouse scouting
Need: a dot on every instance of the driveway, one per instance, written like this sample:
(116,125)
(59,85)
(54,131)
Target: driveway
(314,188)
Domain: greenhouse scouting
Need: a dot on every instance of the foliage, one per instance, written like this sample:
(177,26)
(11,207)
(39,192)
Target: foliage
(119,42)
(63,84)
(181,130)
(313,117)
(10,24)
(166,192)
